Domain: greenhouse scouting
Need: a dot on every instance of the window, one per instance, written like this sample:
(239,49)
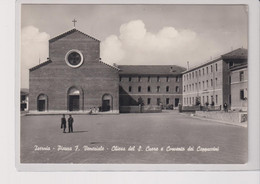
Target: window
(207,83)
(177,79)
(120,78)
(139,88)
(196,73)
(167,88)
(190,75)
(184,88)
(129,88)
(158,88)
(158,79)
(241,76)
(190,100)
(211,68)
(148,101)
(203,100)
(242,95)
(149,89)
(216,81)
(208,99)
(192,87)
(196,86)
(231,64)
(193,75)
(199,85)
(216,99)
(193,100)
(203,71)
(139,78)
(199,73)
(211,82)
(167,101)
(149,79)
(167,79)
(207,70)
(203,84)
(177,89)
(216,65)
(130,79)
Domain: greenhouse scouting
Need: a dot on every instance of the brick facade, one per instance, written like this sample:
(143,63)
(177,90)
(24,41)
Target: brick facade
(93,79)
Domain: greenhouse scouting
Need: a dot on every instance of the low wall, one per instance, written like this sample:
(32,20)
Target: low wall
(233,117)
(140,109)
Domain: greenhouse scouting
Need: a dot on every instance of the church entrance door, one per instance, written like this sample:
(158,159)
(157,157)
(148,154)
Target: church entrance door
(41,105)
(42,101)
(73,102)
(107,103)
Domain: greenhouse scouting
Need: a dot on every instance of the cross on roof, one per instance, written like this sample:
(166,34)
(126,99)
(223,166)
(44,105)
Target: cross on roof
(74,22)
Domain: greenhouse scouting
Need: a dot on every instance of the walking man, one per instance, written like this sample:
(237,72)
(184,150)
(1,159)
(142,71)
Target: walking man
(63,123)
(70,121)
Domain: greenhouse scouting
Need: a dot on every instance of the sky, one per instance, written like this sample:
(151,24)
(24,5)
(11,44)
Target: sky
(137,34)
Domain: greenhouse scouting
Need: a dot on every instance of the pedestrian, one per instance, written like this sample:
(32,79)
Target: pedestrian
(225,107)
(63,123)
(70,121)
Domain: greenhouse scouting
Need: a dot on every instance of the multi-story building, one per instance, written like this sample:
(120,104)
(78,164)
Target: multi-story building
(150,85)
(209,83)
(239,80)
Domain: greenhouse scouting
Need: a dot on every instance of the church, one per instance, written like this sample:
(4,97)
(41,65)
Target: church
(75,79)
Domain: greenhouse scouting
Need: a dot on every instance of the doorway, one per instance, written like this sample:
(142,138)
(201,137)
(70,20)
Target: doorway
(74,103)
(176,103)
(107,102)
(42,102)
(73,99)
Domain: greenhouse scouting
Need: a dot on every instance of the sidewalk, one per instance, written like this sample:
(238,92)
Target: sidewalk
(192,115)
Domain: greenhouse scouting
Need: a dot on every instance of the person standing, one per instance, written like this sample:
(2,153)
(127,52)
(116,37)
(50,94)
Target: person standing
(225,107)
(70,121)
(63,123)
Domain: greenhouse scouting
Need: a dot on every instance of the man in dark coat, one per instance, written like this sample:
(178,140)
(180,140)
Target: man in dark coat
(70,121)
(225,107)
(63,123)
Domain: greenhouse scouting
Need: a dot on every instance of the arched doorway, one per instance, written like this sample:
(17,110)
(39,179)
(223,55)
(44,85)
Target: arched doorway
(42,102)
(73,99)
(107,102)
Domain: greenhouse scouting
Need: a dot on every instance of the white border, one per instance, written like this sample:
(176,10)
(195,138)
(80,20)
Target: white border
(68,63)
(253,58)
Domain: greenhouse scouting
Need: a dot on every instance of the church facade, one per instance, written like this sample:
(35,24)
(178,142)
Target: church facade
(73,78)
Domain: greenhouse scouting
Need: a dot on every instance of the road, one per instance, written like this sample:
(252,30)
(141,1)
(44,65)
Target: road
(170,138)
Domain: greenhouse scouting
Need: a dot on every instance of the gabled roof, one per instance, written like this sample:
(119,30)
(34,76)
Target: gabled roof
(70,32)
(150,69)
(40,65)
(239,53)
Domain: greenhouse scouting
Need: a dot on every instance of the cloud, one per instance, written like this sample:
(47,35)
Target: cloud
(34,47)
(136,45)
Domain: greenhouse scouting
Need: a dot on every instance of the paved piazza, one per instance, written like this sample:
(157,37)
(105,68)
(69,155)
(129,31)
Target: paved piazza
(166,137)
